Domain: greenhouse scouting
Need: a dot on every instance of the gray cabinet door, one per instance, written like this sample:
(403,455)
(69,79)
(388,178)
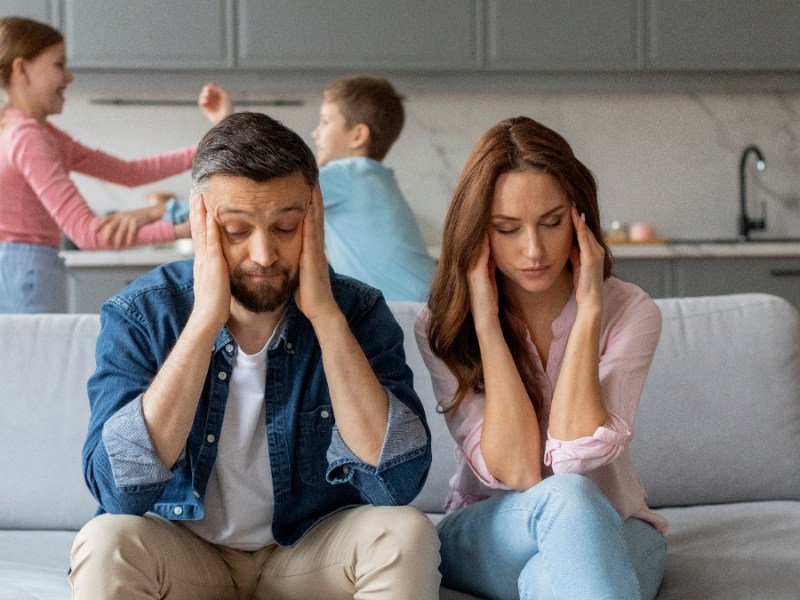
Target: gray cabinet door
(653,275)
(564,35)
(149,34)
(357,34)
(732,35)
(89,287)
(711,276)
(45,11)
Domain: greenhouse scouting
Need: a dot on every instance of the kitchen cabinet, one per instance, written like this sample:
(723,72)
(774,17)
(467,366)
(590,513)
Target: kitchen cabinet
(89,288)
(564,35)
(45,11)
(149,34)
(356,34)
(723,35)
(653,275)
(710,276)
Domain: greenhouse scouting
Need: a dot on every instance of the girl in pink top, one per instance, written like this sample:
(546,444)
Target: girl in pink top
(538,358)
(39,200)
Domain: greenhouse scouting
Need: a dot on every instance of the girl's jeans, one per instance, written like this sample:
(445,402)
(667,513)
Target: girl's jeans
(33,279)
(561,539)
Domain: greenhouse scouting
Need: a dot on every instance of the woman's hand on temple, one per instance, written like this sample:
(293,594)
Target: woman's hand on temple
(483,294)
(587,262)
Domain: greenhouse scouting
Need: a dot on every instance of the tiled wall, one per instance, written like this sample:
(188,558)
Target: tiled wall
(671,159)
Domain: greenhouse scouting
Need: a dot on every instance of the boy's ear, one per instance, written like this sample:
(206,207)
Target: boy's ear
(360,135)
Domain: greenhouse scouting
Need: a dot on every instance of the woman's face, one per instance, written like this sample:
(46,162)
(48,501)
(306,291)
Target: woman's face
(48,77)
(530,230)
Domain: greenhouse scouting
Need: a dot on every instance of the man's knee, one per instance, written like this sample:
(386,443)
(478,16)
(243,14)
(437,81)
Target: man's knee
(401,529)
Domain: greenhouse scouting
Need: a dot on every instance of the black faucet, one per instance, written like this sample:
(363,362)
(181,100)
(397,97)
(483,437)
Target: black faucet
(746,224)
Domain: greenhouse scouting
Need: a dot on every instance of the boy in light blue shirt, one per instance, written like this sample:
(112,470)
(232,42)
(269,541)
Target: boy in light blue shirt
(370,231)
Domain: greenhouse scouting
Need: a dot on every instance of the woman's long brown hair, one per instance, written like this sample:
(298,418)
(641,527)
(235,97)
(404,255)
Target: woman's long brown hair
(516,144)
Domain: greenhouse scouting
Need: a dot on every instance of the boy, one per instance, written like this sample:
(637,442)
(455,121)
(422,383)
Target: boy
(370,230)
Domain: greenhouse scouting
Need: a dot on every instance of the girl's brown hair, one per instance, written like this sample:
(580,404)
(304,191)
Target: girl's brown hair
(23,38)
(516,144)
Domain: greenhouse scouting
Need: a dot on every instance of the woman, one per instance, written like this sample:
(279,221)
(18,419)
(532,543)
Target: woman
(538,358)
(39,199)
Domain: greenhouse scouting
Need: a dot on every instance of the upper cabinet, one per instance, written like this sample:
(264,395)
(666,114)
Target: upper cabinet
(390,34)
(723,35)
(46,11)
(149,34)
(564,35)
(427,36)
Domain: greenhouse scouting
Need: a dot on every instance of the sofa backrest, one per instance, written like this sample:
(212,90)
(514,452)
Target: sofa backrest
(719,418)
(47,361)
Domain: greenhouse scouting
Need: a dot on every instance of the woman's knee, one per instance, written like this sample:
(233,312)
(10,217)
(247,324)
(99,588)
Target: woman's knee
(572,491)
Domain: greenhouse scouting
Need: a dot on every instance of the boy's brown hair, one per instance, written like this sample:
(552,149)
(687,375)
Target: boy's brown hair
(371,101)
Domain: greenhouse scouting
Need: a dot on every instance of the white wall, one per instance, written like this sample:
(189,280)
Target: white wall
(671,159)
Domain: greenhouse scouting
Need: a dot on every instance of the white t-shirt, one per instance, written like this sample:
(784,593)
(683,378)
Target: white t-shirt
(239,502)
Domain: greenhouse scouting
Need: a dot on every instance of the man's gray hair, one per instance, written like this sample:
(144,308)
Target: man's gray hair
(255,146)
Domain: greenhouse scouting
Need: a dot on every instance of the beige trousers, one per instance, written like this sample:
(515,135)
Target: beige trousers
(368,552)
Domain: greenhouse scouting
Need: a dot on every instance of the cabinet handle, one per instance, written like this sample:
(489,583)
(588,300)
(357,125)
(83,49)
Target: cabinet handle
(785,272)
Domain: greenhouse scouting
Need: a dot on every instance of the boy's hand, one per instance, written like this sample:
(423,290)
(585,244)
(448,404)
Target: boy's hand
(313,295)
(212,290)
(215,102)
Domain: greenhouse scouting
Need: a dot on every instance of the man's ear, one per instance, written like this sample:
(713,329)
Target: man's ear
(359,136)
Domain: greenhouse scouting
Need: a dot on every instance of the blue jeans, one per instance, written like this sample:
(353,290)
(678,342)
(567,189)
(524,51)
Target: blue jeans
(33,279)
(561,539)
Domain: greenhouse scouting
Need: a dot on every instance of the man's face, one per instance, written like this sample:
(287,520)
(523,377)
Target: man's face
(261,226)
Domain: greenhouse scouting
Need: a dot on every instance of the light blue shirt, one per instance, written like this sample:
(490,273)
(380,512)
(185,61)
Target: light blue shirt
(370,231)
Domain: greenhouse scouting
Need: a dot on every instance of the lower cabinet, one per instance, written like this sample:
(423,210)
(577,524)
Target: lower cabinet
(89,287)
(709,276)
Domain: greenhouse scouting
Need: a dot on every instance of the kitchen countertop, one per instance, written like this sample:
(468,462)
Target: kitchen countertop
(710,249)
(150,256)
(157,255)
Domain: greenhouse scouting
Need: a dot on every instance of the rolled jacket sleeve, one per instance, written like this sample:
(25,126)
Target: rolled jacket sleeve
(134,461)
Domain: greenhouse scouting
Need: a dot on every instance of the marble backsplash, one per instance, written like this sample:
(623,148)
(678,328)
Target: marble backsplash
(670,159)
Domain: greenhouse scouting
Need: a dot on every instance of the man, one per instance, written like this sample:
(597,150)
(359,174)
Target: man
(253,427)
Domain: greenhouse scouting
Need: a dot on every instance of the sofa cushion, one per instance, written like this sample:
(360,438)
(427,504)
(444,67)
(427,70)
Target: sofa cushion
(34,564)
(738,551)
(719,418)
(47,361)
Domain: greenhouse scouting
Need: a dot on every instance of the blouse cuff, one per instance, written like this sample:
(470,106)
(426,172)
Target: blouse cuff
(588,453)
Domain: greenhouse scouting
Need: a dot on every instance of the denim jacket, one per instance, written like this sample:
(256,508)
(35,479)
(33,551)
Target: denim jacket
(313,471)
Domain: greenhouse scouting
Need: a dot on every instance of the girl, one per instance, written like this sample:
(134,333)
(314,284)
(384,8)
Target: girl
(538,358)
(39,200)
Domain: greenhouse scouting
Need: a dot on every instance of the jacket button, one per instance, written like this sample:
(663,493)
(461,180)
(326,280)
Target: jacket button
(324,414)
(210,438)
(196,493)
(228,348)
(289,345)
(222,375)
(177,510)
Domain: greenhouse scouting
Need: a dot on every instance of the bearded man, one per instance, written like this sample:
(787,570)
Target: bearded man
(254,431)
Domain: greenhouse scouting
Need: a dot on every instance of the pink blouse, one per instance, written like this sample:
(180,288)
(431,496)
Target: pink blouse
(38,197)
(630,329)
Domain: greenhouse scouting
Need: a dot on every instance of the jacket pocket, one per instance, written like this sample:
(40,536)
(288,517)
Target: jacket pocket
(316,427)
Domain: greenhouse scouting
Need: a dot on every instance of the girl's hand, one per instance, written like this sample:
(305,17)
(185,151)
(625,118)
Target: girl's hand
(215,102)
(212,289)
(587,263)
(119,229)
(483,294)
(313,295)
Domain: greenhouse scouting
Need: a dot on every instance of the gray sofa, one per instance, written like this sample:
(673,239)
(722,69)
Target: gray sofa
(717,445)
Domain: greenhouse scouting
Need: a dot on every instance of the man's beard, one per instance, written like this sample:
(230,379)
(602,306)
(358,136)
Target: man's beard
(262,297)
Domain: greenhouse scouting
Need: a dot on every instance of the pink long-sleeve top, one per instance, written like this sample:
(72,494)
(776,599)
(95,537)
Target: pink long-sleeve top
(630,329)
(38,197)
